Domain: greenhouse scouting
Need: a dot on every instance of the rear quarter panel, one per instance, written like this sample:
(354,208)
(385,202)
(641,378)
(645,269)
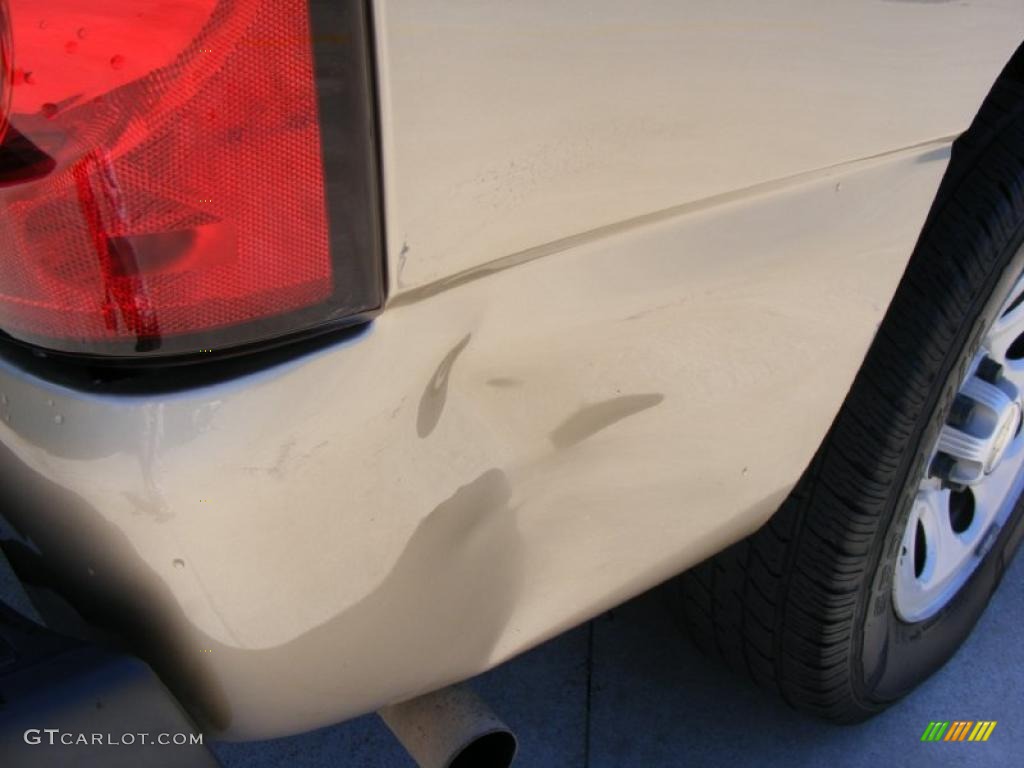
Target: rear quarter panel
(511,125)
(637,253)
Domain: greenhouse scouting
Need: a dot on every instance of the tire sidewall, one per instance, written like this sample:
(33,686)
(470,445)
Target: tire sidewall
(893,656)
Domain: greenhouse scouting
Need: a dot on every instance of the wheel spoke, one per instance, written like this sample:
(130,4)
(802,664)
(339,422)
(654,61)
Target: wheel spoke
(976,474)
(1013,370)
(963,446)
(945,549)
(991,496)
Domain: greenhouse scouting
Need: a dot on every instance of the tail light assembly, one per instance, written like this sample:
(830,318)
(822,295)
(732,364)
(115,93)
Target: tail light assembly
(185,178)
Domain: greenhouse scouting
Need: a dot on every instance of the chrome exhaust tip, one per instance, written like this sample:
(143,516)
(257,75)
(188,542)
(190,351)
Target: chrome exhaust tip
(451,728)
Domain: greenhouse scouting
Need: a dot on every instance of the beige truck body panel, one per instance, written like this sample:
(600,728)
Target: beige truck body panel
(637,253)
(509,126)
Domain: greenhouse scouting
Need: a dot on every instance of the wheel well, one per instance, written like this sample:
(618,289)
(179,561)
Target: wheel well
(997,106)
(1014,69)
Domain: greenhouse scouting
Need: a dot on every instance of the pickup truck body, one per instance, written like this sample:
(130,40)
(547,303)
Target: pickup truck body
(635,255)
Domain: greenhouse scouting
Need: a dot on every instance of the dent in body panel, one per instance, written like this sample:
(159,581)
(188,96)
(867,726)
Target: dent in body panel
(426,616)
(270,563)
(588,421)
(505,382)
(434,396)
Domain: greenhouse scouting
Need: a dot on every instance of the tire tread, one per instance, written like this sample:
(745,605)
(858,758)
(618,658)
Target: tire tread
(781,605)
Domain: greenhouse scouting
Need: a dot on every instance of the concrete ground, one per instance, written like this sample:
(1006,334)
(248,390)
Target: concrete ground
(630,690)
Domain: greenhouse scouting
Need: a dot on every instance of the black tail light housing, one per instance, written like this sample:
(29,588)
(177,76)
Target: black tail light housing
(186,178)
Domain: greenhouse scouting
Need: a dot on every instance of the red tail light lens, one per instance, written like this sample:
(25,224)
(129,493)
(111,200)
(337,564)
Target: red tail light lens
(179,177)
(6,68)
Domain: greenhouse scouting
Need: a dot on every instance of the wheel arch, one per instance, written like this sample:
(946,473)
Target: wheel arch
(972,141)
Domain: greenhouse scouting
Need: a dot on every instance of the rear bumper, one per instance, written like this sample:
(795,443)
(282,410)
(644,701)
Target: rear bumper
(64,702)
(495,460)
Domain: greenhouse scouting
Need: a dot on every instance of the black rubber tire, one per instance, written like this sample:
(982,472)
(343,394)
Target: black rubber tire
(804,605)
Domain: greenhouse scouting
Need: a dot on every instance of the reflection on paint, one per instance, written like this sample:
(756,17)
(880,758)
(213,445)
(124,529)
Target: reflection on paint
(436,393)
(592,419)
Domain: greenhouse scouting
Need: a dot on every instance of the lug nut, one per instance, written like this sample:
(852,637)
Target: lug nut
(961,411)
(989,370)
(943,466)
